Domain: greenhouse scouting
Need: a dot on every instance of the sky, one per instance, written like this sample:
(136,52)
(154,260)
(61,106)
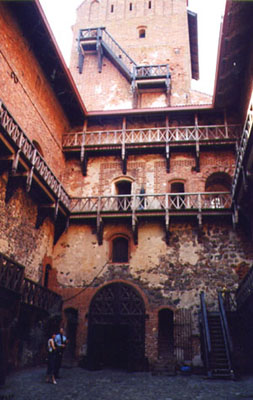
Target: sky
(209,12)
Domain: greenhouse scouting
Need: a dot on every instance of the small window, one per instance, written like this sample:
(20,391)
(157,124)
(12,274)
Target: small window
(142,33)
(112,8)
(130,6)
(149,4)
(120,250)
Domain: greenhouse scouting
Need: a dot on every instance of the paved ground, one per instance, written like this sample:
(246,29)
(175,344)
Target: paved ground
(79,384)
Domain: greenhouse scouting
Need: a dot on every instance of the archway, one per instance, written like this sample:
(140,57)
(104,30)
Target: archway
(116,334)
(165,333)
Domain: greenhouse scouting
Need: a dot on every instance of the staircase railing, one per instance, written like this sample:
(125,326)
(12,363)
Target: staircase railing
(226,332)
(245,289)
(206,332)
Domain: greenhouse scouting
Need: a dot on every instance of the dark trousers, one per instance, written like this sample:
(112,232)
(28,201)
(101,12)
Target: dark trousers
(51,362)
(58,361)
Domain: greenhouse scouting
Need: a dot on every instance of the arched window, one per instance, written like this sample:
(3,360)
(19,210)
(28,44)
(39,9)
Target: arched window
(120,250)
(130,6)
(149,4)
(46,275)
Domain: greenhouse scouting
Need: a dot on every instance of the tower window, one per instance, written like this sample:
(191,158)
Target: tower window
(142,33)
(120,250)
(149,4)
(112,8)
(130,6)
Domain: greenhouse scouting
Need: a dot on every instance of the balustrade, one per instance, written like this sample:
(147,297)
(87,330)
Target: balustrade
(38,296)
(152,202)
(152,136)
(31,154)
(11,274)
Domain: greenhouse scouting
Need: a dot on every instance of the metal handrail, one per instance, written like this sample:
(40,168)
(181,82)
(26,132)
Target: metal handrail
(206,332)
(226,332)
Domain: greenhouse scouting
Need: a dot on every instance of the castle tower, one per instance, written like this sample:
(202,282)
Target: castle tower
(158,34)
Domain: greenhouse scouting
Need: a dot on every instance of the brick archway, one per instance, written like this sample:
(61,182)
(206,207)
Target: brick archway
(116,330)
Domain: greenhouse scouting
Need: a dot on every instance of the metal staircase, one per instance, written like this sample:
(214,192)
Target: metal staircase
(141,77)
(217,343)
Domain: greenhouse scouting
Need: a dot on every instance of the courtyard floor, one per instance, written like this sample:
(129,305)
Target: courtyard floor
(80,384)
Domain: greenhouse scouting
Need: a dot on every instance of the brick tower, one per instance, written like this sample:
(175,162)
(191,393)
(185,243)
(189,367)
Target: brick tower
(144,56)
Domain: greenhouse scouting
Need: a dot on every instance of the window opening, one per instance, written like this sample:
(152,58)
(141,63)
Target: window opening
(112,8)
(142,33)
(130,6)
(149,4)
(120,250)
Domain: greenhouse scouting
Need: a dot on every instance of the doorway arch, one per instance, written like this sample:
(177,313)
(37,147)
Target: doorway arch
(116,330)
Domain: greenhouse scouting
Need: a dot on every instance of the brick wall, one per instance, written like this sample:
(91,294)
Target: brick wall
(27,94)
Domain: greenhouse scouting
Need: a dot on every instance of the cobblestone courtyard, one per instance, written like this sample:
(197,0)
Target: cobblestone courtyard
(79,384)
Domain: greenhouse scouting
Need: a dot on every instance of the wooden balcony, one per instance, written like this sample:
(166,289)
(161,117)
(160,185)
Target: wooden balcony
(38,296)
(11,274)
(13,283)
(26,161)
(161,140)
(151,137)
(141,206)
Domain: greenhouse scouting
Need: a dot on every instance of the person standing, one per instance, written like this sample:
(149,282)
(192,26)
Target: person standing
(60,344)
(51,359)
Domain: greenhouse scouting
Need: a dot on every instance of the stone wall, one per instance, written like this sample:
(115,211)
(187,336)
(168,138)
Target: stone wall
(19,239)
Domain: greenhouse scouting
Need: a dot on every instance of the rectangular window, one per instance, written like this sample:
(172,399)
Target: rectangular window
(112,8)
(130,6)
(149,4)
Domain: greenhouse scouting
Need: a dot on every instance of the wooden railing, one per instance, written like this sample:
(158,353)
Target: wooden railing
(38,296)
(152,135)
(28,151)
(245,289)
(150,71)
(206,333)
(11,274)
(246,133)
(149,202)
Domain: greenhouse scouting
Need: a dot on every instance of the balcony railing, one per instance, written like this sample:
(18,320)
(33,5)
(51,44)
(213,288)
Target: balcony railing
(11,274)
(151,136)
(174,202)
(38,296)
(30,154)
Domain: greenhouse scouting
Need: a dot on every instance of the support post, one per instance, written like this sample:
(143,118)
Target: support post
(167,220)
(99,224)
(134,221)
(123,148)
(99,50)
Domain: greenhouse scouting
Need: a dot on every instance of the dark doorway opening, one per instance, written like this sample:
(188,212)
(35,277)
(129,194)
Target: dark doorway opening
(71,329)
(116,334)
(177,202)
(123,188)
(165,333)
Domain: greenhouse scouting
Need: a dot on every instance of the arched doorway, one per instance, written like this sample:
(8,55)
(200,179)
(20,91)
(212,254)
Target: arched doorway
(116,335)
(165,333)
(124,187)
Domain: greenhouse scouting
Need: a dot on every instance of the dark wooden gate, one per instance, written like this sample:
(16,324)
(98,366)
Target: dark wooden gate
(116,335)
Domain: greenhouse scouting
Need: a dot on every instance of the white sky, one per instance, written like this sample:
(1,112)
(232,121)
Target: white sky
(61,16)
